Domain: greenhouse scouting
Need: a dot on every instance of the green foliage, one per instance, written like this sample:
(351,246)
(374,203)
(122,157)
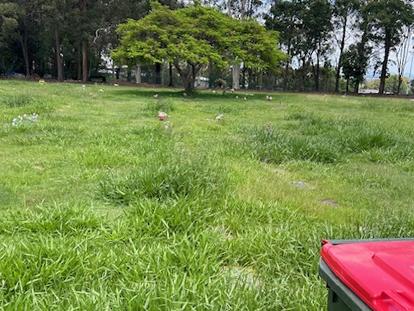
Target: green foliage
(391,85)
(387,19)
(193,37)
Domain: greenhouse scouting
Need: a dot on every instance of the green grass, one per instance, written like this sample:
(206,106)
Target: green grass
(105,207)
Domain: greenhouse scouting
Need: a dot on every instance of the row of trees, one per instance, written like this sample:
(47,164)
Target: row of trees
(63,38)
(329,43)
(354,31)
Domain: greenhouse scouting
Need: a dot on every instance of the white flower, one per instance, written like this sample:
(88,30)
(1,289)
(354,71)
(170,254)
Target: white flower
(156,96)
(220,117)
(25,119)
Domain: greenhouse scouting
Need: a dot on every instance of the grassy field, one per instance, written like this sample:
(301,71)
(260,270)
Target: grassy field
(103,207)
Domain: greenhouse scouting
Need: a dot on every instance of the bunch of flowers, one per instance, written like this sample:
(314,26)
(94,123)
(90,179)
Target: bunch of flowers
(25,119)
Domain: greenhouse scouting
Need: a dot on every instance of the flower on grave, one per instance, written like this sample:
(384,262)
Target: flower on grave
(220,117)
(162,116)
(25,119)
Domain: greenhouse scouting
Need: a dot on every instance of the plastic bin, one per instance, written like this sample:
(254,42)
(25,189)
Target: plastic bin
(369,274)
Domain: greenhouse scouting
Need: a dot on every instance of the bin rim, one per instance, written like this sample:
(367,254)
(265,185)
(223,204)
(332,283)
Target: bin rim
(352,241)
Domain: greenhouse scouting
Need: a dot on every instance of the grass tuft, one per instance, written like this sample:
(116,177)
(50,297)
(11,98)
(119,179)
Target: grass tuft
(162,104)
(166,176)
(18,100)
(321,140)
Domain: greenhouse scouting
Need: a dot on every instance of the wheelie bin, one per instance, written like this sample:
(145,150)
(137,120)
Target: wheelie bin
(368,274)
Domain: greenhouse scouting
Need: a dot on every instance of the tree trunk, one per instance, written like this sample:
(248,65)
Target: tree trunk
(85,69)
(400,80)
(356,87)
(236,76)
(85,73)
(347,86)
(303,75)
(341,51)
(286,78)
(317,70)
(243,79)
(129,74)
(79,62)
(138,74)
(384,65)
(59,61)
(157,73)
(25,52)
(170,75)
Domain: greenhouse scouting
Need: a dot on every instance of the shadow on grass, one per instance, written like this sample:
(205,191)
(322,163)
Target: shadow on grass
(179,93)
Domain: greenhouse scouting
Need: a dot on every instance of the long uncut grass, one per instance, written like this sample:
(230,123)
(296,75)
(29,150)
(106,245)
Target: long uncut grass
(105,207)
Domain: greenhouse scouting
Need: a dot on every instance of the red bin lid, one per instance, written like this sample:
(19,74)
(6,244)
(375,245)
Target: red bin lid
(380,273)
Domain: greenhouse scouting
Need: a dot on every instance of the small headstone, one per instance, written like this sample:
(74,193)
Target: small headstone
(299,184)
(329,202)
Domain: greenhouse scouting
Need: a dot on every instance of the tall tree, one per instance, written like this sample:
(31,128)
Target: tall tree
(55,21)
(343,11)
(388,18)
(192,37)
(317,27)
(285,18)
(401,55)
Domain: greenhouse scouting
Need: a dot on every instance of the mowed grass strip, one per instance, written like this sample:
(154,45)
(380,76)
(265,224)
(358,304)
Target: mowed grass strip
(105,207)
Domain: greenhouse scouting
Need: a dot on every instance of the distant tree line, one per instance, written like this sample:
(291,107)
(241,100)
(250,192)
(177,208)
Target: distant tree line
(329,44)
(67,39)
(354,31)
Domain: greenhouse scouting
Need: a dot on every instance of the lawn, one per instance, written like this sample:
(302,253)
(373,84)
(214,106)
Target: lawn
(104,207)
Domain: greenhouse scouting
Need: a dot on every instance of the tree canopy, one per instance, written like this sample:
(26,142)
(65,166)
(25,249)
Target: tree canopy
(194,36)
